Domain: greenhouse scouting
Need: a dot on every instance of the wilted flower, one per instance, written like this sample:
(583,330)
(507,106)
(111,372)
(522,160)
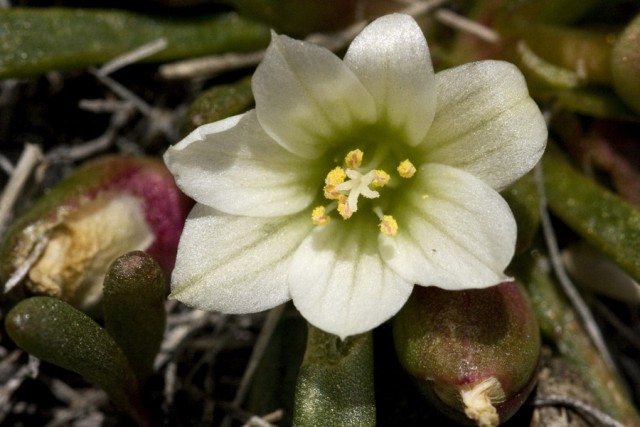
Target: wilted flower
(106,208)
(353,180)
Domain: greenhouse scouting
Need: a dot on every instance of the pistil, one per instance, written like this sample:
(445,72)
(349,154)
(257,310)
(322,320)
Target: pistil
(346,185)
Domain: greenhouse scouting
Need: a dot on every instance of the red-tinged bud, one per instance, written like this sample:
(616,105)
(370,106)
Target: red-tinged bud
(106,208)
(474,353)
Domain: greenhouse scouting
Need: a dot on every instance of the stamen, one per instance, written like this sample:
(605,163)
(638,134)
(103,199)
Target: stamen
(406,169)
(388,226)
(353,159)
(347,192)
(343,208)
(319,216)
(334,177)
(380,178)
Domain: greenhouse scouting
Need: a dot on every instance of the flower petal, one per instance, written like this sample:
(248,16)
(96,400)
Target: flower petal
(235,167)
(339,282)
(486,123)
(391,58)
(306,96)
(235,264)
(455,232)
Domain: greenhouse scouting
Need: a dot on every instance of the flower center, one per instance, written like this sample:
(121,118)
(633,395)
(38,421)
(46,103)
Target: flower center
(346,192)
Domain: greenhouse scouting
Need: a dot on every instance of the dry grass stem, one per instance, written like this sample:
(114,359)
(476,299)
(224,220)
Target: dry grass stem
(580,406)
(6,165)
(466,25)
(13,381)
(133,56)
(123,112)
(582,309)
(30,158)
(123,92)
(265,420)
(270,324)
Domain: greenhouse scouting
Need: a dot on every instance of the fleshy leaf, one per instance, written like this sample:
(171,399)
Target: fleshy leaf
(36,40)
(218,103)
(560,324)
(602,218)
(596,102)
(55,332)
(134,312)
(625,62)
(524,201)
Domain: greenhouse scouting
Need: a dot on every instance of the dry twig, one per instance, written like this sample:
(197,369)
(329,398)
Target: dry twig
(466,25)
(31,156)
(579,406)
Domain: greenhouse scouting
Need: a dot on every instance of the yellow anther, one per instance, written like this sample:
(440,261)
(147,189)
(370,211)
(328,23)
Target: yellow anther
(343,208)
(353,159)
(319,216)
(388,226)
(331,193)
(380,178)
(406,169)
(334,177)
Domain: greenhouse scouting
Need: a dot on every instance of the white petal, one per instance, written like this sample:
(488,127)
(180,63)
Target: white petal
(306,97)
(339,282)
(486,123)
(391,58)
(235,264)
(201,132)
(236,168)
(455,232)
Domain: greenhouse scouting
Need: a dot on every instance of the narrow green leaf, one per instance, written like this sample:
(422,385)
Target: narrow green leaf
(524,201)
(335,382)
(134,311)
(601,217)
(35,40)
(218,103)
(55,332)
(560,324)
(548,11)
(299,18)
(586,49)
(595,101)
(625,63)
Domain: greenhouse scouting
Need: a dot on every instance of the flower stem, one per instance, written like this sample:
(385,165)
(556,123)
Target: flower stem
(335,382)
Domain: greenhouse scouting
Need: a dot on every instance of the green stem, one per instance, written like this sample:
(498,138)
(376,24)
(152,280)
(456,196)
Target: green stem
(335,382)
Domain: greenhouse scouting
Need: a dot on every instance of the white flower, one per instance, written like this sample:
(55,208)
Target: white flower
(353,180)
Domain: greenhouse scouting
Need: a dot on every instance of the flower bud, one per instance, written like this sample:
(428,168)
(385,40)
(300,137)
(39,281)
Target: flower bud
(473,353)
(106,208)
